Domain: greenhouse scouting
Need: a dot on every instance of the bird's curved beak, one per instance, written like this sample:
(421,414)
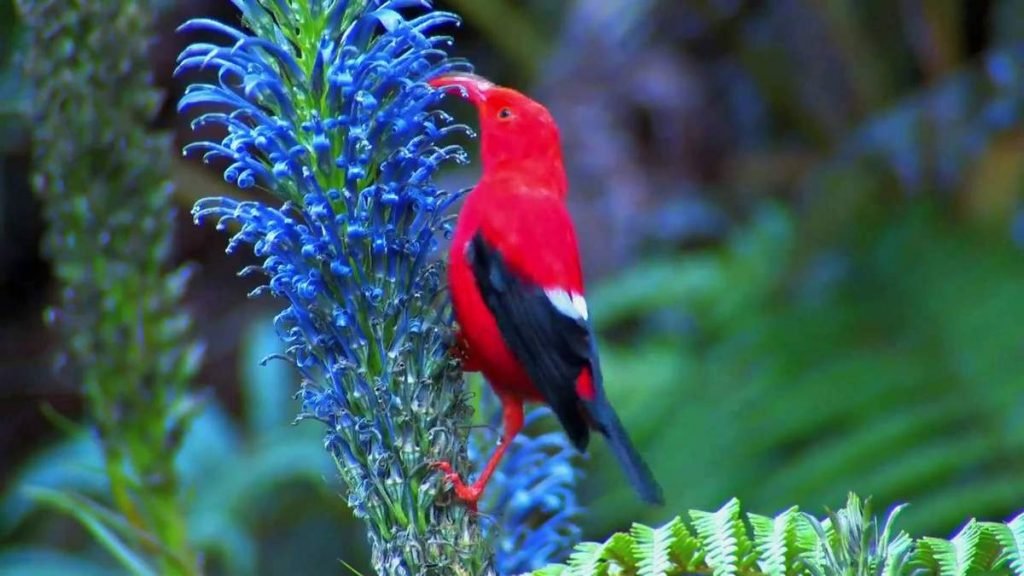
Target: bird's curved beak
(470,86)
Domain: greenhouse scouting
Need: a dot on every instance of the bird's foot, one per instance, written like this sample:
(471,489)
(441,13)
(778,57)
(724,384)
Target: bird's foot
(470,495)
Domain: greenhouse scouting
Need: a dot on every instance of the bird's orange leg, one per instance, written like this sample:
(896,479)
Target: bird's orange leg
(512,417)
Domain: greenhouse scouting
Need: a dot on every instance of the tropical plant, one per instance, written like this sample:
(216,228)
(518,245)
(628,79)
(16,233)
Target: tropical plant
(234,472)
(326,106)
(847,542)
(109,224)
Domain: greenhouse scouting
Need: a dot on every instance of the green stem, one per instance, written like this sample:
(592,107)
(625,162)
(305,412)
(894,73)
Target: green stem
(102,176)
(119,488)
(173,534)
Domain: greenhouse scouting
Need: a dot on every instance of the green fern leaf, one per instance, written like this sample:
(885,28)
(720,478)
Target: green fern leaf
(685,550)
(934,555)
(779,544)
(727,548)
(974,550)
(619,553)
(822,539)
(101,523)
(897,555)
(894,550)
(986,550)
(1011,538)
(807,538)
(652,549)
(586,560)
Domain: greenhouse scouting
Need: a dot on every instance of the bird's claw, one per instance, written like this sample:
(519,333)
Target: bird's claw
(470,495)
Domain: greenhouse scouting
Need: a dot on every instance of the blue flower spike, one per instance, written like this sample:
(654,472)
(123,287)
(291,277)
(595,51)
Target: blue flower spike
(324,105)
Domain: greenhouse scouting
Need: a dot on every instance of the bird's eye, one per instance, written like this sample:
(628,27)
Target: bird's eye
(505,113)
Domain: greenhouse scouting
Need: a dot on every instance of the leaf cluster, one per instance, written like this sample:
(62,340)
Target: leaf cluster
(849,542)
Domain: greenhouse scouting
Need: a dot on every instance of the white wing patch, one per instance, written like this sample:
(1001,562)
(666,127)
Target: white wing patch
(571,304)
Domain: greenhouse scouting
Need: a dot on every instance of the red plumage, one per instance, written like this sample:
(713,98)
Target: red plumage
(517,285)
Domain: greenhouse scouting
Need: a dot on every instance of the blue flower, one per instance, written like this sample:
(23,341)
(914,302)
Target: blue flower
(532,495)
(326,107)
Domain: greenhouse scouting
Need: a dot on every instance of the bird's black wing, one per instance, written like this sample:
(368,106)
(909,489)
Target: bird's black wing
(552,346)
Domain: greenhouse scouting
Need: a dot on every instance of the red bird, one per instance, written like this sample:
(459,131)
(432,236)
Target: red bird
(517,285)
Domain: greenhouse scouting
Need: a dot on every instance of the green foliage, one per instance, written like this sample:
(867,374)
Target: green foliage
(973,551)
(884,365)
(45,562)
(109,529)
(1011,538)
(103,179)
(237,475)
(846,543)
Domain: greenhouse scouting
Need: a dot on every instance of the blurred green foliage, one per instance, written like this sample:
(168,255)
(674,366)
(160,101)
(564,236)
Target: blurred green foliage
(255,485)
(891,369)
(103,181)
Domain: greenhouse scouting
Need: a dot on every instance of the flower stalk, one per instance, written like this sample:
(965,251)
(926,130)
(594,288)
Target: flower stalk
(325,107)
(104,182)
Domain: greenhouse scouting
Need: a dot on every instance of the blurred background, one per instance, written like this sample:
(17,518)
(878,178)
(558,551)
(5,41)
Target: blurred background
(803,233)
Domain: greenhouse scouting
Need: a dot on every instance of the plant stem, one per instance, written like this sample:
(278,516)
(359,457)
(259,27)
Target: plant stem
(103,179)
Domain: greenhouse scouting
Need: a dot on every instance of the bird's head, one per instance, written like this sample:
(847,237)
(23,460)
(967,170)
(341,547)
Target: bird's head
(513,128)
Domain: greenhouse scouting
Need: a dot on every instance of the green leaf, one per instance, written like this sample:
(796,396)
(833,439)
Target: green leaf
(95,524)
(724,536)
(46,562)
(847,543)
(586,560)
(685,550)
(137,537)
(778,543)
(1011,538)
(822,559)
(74,464)
(211,441)
(240,487)
(652,548)
(619,553)
(233,543)
(895,550)
(973,550)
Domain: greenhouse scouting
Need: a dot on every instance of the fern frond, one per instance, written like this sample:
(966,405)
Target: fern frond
(619,553)
(893,550)
(821,559)
(850,542)
(973,551)
(685,550)
(779,543)
(586,560)
(1011,539)
(652,549)
(727,547)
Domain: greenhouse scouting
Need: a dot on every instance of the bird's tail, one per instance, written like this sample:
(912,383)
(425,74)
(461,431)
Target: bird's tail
(606,421)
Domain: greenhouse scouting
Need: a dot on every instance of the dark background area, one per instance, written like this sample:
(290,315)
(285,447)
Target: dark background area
(800,221)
